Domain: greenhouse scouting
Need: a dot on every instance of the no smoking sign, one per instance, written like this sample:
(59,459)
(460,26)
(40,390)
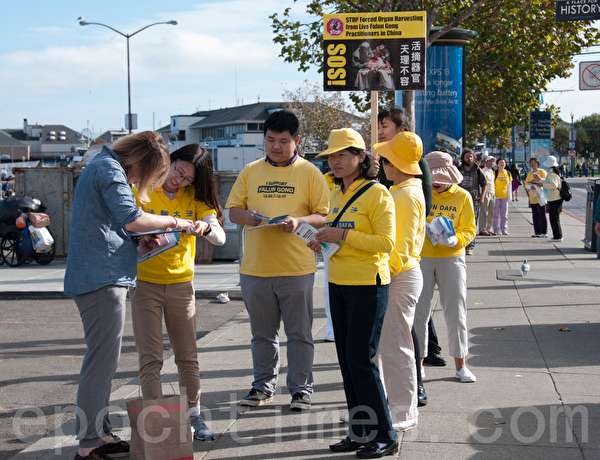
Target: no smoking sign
(589,75)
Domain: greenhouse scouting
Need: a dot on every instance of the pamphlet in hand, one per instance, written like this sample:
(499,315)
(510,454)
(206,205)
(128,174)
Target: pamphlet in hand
(307,232)
(271,222)
(150,247)
(440,228)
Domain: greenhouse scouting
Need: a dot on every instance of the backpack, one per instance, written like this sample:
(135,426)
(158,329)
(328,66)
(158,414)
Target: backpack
(565,191)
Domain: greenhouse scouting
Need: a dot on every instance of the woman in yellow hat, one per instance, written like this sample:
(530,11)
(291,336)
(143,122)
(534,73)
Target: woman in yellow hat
(362,220)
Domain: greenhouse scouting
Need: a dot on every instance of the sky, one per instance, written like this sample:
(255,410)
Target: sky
(221,54)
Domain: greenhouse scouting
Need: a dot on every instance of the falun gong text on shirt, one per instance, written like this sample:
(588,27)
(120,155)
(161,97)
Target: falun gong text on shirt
(374,51)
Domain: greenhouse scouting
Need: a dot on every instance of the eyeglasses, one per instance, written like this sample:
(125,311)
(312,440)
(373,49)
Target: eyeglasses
(181,174)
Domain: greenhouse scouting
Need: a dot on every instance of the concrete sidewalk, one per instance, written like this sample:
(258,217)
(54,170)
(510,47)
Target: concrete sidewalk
(534,345)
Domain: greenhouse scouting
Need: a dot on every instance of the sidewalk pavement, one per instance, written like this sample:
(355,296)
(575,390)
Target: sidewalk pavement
(534,343)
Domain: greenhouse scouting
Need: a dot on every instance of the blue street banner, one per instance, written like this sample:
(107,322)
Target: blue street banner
(374,51)
(439,109)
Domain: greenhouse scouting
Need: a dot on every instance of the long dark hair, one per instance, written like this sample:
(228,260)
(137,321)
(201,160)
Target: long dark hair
(365,167)
(204,180)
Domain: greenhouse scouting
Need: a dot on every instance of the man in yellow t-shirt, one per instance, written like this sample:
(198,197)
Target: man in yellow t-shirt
(277,268)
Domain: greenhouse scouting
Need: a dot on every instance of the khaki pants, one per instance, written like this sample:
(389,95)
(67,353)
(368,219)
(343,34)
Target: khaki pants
(486,213)
(177,303)
(395,357)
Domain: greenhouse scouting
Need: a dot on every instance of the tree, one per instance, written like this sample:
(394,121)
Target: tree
(560,143)
(518,50)
(588,136)
(319,113)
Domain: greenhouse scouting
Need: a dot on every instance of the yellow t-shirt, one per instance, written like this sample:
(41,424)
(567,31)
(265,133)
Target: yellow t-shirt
(298,190)
(410,225)
(502,182)
(540,172)
(371,225)
(457,205)
(177,264)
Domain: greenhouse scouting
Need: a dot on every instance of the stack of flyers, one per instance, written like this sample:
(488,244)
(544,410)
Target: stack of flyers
(271,221)
(307,232)
(440,228)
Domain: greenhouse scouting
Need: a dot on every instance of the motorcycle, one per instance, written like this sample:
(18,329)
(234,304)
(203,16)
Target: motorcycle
(24,233)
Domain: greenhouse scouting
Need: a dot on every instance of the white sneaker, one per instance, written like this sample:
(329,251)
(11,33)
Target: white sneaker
(465,375)
(345,418)
(555,240)
(402,426)
(329,337)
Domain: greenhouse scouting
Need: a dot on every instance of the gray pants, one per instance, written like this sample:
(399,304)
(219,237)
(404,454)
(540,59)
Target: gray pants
(268,301)
(103,316)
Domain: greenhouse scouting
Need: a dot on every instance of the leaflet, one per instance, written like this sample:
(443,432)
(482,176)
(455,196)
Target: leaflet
(440,228)
(307,232)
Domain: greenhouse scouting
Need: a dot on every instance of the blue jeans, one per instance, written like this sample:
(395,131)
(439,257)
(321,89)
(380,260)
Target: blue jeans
(357,313)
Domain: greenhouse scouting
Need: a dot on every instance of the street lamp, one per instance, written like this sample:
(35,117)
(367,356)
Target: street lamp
(127,36)
(572,139)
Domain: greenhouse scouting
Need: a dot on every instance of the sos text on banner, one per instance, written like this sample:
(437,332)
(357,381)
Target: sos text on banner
(374,51)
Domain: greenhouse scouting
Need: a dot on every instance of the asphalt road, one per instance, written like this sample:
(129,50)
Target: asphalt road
(41,350)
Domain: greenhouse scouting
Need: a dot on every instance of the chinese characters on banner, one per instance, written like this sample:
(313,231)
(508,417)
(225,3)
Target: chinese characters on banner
(374,51)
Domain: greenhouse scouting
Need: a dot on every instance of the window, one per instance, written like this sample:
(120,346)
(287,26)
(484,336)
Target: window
(181,135)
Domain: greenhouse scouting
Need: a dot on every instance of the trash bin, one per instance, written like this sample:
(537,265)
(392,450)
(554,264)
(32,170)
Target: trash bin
(593,191)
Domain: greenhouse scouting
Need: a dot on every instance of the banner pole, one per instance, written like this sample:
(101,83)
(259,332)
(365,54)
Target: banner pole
(374,124)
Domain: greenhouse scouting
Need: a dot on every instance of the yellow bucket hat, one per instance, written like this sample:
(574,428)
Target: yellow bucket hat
(404,151)
(341,139)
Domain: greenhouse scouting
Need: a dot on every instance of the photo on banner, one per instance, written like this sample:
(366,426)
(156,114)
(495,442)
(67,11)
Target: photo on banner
(374,51)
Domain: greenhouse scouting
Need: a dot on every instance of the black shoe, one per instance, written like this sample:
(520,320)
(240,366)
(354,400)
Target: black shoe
(372,450)
(346,445)
(435,360)
(300,401)
(422,397)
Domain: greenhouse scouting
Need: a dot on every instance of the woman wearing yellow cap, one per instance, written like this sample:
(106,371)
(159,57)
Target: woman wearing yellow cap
(361,219)
(396,355)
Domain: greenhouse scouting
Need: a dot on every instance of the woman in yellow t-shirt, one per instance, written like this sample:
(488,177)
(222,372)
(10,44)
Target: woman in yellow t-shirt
(534,182)
(359,278)
(165,282)
(502,184)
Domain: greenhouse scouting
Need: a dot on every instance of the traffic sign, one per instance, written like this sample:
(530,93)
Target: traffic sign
(571,145)
(572,153)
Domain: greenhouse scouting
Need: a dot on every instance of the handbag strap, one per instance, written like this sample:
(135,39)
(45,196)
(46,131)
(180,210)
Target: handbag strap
(350,201)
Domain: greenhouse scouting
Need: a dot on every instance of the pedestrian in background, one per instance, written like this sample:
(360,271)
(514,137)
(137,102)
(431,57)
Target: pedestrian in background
(486,212)
(165,282)
(552,186)
(516,181)
(362,220)
(102,265)
(534,182)
(475,183)
(502,184)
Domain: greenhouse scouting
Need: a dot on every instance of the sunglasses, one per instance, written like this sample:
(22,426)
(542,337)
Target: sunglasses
(181,174)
